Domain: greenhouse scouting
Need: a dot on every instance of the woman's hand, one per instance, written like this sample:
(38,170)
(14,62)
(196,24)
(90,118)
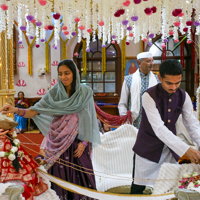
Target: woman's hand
(2,132)
(79,151)
(7,108)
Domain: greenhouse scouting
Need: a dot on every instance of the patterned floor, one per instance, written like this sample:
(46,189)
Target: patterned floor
(31,141)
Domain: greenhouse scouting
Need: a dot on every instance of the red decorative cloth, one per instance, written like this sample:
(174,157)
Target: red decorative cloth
(33,184)
(113,121)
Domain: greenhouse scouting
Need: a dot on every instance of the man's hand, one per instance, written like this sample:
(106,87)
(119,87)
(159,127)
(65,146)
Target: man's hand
(7,108)
(193,155)
(79,151)
(2,132)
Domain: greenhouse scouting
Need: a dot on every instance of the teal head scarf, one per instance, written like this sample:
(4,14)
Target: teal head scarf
(57,102)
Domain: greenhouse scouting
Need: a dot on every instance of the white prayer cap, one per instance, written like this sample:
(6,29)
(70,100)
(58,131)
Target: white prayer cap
(144,55)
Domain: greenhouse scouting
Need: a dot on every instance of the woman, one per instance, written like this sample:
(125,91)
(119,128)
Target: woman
(21,102)
(73,126)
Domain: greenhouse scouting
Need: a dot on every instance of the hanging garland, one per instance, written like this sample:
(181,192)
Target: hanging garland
(84,58)
(64,48)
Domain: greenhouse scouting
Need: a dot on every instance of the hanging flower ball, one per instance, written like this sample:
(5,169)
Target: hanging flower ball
(189,23)
(31,37)
(149,43)
(176,12)
(171,32)
(89,30)
(189,41)
(81,27)
(42,2)
(117,14)
(151,35)
(42,40)
(148,11)
(50,27)
(104,46)
(126,3)
(127,43)
(129,28)
(181,15)
(46,27)
(163,45)
(134,18)
(73,33)
(113,42)
(55,47)
(165,40)
(20,42)
(121,11)
(176,40)
(4,7)
(125,22)
(30,17)
(37,45)
(177,24)
(77,19)
(64,28)
(154,9)
(144,39)
(88,50)
(131,34)
(23,28)
(196,23)
(113,36)
(56,16)
(33,21)
(101,23)
(185,29)
(38,23)
(137,1)
(66,32)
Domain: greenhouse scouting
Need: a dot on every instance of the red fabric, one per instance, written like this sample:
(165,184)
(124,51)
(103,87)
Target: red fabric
(113,120)
(24,100)
(182,55)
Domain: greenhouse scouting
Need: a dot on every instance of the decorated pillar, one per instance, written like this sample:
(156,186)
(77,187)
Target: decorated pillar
(7,91)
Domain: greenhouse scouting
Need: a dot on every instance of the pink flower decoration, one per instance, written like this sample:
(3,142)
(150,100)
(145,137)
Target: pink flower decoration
(113,42)
(181,15)
(127,43)
(185,29)
(21,83)
(101,23)
(177,24)
(21,46)
(50,27)
(176,40)
(126,3)
(54,82)
(33,21)
(4,7)
(21,64)
(117,14)
(66,32)
(89,30)
(163,45)
(154,9)
(121,11)
(137,1)
(81,27)
(189,23)
(42,2)
(46,27)
(56,16)
(77,19)
(41,91)
(55,63)
(148,11)
(76,54)
(171,32)
(144,39)
(64,28)
(131,34)
(176,12)
(37,45)
(189,41)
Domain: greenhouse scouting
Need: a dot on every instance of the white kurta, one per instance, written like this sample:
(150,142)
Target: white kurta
(146,169)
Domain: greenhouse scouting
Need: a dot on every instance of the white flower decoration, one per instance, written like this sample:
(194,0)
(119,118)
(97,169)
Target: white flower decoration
(191,185)
(186,175)
(14,134)
(11,157)
(2,153)
(14,149)
(16,141)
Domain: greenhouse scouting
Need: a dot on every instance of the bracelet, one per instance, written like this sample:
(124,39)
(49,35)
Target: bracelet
(24,110)
(85,143)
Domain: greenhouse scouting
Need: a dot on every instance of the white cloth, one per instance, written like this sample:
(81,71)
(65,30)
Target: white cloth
(135,91)
(164,134)
(114,156)
(144,55)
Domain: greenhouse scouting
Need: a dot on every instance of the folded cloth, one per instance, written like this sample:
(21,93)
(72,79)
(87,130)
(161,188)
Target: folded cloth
(6,124)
